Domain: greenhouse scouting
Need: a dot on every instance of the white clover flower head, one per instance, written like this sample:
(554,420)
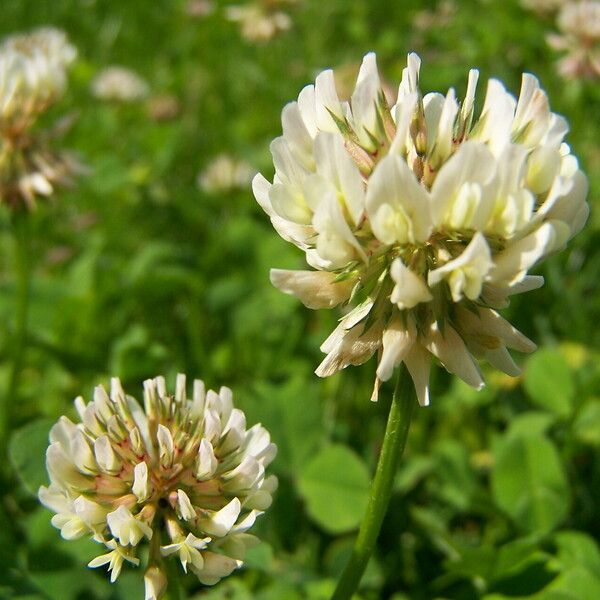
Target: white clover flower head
(33,77)
(579,38)
(119,84)
(225,173)
(420,217)
(184,475)
(543,6)
(259,21)
(51,42)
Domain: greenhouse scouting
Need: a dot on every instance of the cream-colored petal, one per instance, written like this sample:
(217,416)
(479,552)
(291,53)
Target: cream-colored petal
(397,340)
(409,289)
(397,204)
(512,263)
(315,289)
(467,272)
(453,354)
(467,178)
(336,166)
(418,363)
(326,102)
(349,347)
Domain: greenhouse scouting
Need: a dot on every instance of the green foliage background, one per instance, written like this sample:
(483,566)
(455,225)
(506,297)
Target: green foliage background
(138,273)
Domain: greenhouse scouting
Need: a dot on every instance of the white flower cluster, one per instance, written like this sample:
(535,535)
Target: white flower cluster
(33,77)
(183,469)
(120,85)
(260,20)
(225,173)
(543,6)
(421,218)
(579,38)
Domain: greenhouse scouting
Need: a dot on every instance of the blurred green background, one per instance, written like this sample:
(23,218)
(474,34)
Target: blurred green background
(139,272)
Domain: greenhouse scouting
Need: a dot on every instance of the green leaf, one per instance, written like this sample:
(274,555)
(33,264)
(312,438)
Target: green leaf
(27,451)
(412,472)
(515,556)
(587,423)
(577,549)
(528,481)
(293,415)
(576,584)
(454,477)
(531,423)
(335,485)
(549,382)
(71,584)
(337,556)
(260,557)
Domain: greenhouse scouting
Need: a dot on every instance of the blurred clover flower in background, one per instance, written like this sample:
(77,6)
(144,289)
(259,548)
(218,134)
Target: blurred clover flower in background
(260,20)
(119,84)
(543,6)
(421,218)
(225,173)
(185,475)
(579,38)
(33,77)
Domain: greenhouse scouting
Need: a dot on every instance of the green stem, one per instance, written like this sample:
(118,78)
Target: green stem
(175,588)
(394,442)
(22,268)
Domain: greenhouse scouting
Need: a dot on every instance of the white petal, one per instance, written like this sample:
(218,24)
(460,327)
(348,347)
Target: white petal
(466,273)
(349,347)
(106,457)
(397,340)
(512,263)
(206,462)
(222,521)
(140,487)
(495,124)
(155,583)
(410,289)
(186,510)
(297,136)
(180,392)
(288,230)
(397,204)
(418,363)
(473,166)
(453,354)
(315,289)
(166,447)
(216,566)
(410,76)
(307,108)
(503,361)
(326,101)
(336,166)
(335,241)
(403,113)
(364,99)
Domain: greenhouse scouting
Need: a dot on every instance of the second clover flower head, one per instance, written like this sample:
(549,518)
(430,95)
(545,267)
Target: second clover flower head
(33,77)
(184,475)
(421,218)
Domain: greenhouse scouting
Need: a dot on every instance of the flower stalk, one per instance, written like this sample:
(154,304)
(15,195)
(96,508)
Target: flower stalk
(394,442)
(22,258)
